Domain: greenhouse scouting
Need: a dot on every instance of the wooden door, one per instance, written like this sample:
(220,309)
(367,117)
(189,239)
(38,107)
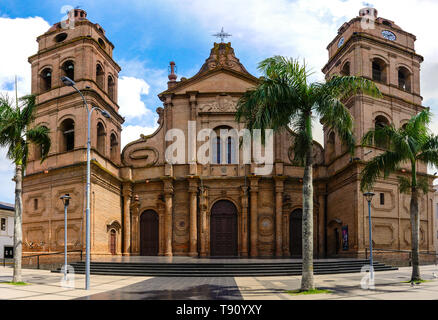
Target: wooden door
(296,233)
(223,229)
(149,233)
(113,242)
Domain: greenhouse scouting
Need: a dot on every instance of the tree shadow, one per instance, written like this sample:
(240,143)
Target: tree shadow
(172,289)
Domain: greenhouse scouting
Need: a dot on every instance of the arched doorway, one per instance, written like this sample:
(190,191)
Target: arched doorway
(296,233)
(223,229)
(149,233)
(113,242)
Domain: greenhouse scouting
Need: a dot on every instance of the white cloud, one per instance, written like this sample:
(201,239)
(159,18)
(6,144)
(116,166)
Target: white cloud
(18,38)
(131,91)
(133,132)
(304,28)
(7,186)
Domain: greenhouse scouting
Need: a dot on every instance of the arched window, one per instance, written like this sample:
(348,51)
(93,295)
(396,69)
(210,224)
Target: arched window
(404,79)
(224,147)
(68,69)
(46,80)
(381,142)
(67,135)
(379,70)
(113,147)
(111,86)
(331,146)
(346,69)
(101,138)
(100,76)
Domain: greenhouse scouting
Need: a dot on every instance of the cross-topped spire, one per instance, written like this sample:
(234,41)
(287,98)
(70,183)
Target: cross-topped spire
(222,35)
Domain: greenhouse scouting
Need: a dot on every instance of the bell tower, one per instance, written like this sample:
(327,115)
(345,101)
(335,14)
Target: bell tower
(377,49)
(78,49)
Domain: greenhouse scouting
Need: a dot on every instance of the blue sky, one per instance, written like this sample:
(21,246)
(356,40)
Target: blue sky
(149,34)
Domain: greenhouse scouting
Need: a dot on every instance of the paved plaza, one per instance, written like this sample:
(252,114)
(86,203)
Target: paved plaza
(389,285)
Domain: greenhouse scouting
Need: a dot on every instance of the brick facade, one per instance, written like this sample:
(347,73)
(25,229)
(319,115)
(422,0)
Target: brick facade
(127,183)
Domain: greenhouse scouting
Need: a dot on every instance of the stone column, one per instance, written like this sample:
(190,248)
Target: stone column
(127,194)
(161,206)
(168,221)
(193,191)
(203,207)
(320,227)
(254,216)
(244,224)
(279,188)
(135,227)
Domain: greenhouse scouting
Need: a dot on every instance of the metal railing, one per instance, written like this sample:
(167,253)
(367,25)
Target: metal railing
(46,254)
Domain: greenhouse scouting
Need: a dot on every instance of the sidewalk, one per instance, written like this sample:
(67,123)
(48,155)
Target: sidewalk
(388,286)
(44,285)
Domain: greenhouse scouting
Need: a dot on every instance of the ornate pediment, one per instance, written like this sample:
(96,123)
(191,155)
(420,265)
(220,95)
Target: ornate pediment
(222,56)
(222,103)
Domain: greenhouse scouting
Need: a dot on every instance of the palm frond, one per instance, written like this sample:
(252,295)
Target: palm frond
(405,184)
(417,125)
(40,135)
(429,151)
(343,87)
(27,108)
(423,185)
(15,135)
(395,140)
(335,115)
(381,165)
(303,139)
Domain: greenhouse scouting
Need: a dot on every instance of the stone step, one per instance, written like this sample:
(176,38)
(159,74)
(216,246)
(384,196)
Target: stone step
(223,269)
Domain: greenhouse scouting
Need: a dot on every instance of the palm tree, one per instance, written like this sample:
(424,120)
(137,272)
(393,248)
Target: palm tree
(16,134)
(285,98)
(411,144)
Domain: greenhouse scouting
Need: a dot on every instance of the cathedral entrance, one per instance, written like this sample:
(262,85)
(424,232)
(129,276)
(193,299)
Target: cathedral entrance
(149,233)
(223,229)
(296,233)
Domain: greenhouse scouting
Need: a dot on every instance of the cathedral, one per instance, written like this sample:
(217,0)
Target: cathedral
(143,205)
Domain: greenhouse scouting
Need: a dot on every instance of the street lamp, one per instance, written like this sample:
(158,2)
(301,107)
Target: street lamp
(69,82)
(369,197)
(66,200)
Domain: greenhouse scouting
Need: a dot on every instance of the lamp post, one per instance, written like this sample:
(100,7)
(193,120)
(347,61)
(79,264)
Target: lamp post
(369,197)
(69,82)
(66,200)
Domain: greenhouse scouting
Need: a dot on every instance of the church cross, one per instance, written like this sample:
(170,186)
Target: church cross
(222,35)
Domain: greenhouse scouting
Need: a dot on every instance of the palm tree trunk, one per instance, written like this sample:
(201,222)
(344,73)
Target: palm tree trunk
(307,282)
(18,236)
(415,235)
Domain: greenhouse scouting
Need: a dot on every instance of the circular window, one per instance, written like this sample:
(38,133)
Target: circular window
(61,37)
(101,43)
